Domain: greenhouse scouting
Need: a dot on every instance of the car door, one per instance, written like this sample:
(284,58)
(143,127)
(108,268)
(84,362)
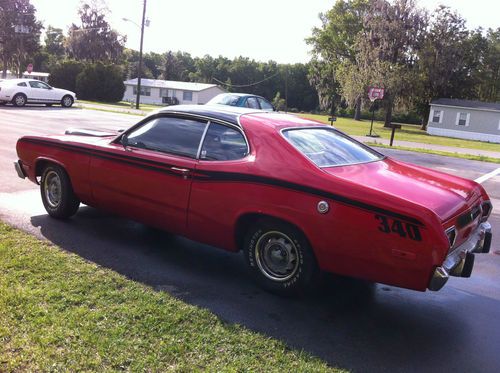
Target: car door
(39,92)
(147,174)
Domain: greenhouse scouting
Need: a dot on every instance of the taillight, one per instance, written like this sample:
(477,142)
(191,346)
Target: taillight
(486,208)
(451,233)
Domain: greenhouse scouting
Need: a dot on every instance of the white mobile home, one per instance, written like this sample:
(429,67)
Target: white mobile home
(465,119)
(169,92)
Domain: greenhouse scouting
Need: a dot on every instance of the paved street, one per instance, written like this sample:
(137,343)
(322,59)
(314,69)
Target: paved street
(348,323)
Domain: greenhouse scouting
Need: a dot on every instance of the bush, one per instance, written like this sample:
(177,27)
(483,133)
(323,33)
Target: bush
(100,83)
(63,75)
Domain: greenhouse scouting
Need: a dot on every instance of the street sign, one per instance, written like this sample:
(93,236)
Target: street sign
(375,93)
(29,69)
(332,119)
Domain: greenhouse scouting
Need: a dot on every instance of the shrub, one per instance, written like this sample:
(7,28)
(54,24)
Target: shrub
(63,75)
(100,83)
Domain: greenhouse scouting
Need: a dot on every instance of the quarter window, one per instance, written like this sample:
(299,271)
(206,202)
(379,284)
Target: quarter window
(22,84)
(436,116)
(223,144)
(187,96)
(169,135)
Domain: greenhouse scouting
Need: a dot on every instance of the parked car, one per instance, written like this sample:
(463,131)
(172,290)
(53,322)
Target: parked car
(20,92)
(296,196)
(242,100)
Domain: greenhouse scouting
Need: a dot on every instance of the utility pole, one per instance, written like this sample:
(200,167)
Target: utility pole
(138,97)
(286,88)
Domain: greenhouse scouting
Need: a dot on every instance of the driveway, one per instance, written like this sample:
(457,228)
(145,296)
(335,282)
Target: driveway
(348,323)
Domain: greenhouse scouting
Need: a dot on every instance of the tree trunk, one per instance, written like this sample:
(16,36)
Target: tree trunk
(357,109)
(388,115)
(425,117)
(4,72)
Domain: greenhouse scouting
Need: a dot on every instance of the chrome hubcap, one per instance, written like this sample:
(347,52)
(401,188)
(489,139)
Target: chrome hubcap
(20,100)
(67,101)
(52,188)
(276,256)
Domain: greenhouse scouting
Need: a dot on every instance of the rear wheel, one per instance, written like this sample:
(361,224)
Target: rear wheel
(57,193)
(19,100)
(280,257)
(67,101)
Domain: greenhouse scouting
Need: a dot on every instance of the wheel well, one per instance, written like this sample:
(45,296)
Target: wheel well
(42,163)
(247,220)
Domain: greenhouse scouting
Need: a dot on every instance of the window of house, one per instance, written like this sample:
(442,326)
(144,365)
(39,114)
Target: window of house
(436,116)
(187,96)
(145,91)
(223,143)
(463,119)
(169,135)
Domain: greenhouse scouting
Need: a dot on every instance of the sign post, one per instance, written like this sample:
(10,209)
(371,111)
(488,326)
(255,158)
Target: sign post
(374,93)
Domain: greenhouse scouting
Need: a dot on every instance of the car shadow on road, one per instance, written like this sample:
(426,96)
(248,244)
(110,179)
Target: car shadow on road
(34,107)
(348,323)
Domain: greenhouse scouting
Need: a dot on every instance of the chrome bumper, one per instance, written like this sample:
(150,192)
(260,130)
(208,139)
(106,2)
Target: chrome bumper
(461,260)
(19,169)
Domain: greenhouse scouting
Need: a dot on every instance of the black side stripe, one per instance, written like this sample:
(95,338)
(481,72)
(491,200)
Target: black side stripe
(212,176)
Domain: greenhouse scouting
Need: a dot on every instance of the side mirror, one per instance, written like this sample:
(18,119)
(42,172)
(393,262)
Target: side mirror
(124,140)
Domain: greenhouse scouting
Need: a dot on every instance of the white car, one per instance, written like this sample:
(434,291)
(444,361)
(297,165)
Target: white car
(30,91)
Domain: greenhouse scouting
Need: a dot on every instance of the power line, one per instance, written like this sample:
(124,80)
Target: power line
(244,85)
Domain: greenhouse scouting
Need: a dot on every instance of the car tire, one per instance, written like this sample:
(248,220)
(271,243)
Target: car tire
(67,101)
(19,100)
(57,193)
(280,257)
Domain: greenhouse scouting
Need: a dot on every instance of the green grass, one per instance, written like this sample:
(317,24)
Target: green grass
(59,312)
(438,152)
(121,105)
(406,133)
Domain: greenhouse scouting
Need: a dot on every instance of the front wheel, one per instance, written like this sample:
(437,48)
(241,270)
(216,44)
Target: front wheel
(58,197)
(67,101)
(280,257)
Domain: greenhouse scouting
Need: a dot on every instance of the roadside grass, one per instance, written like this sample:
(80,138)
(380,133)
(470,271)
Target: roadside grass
(121,105)
(406,133)
(62,313)
(437,152)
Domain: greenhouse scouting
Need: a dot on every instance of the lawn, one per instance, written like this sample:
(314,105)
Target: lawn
(62,313)
(406,133)
(121,104)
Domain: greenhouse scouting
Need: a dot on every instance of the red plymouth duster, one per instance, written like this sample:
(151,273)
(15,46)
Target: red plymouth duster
(296,196)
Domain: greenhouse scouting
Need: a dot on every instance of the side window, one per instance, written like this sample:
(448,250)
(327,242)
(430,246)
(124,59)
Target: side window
(34,84)
(252,103)
(223,144)
(265,105)
(169,135)
(22,84)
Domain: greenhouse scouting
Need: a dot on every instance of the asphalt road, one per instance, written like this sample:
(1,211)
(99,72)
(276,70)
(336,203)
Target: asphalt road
(348,323)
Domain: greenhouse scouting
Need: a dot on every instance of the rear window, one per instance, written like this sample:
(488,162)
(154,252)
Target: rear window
(327,147)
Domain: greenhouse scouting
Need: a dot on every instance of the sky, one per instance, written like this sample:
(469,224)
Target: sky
(259,29)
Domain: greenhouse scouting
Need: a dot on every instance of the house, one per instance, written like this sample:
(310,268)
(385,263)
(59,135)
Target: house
(465,119)
(44,77)
(169,92)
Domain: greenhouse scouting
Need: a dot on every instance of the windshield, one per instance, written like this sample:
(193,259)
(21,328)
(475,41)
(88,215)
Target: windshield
(327,147)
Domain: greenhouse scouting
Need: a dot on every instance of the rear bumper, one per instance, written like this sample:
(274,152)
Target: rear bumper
(19,169)
(461,260)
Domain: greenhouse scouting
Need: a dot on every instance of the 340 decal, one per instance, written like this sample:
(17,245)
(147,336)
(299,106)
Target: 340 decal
(404,230)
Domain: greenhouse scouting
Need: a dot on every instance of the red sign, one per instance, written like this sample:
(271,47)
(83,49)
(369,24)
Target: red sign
(29,69)
(375,93)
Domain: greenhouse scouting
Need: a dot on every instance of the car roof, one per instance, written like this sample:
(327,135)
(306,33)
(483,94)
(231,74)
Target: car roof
(239,94)
(232,114)
(224,113)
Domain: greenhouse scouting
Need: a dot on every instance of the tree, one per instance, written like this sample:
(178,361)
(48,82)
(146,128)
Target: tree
(94,40)
(19,34)
(100,82)
(387,48)
(63,74)
(441,57)
(54,41)
(334,44)
(489,75)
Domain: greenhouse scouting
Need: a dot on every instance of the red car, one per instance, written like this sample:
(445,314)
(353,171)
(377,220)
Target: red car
(298,197)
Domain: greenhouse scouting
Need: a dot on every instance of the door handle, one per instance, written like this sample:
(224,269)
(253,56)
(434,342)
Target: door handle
(183,171)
